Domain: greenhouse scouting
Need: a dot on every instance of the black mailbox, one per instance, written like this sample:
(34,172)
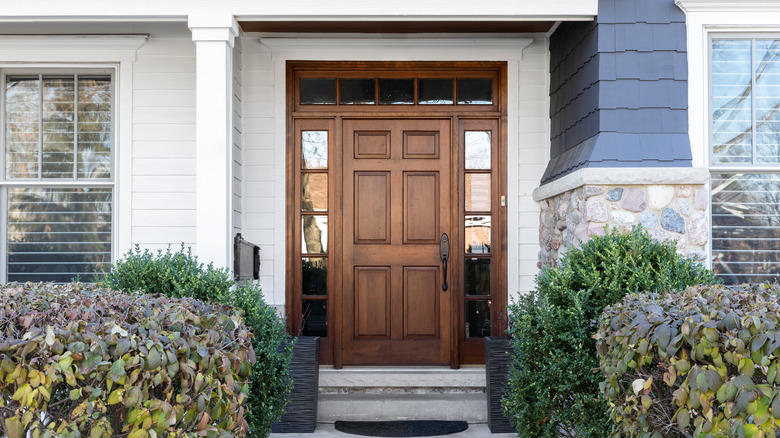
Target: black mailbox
(246,259)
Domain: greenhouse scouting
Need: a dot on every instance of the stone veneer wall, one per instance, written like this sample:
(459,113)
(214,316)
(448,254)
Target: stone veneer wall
(667,212)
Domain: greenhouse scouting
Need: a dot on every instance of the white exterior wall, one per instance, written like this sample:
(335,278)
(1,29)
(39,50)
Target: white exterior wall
(264,145)
(238,134)
(163,147)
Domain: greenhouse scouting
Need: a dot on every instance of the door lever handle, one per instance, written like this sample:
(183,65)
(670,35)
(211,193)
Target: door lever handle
(444,254)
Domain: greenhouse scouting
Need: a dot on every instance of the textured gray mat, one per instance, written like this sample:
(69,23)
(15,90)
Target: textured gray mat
(401,428)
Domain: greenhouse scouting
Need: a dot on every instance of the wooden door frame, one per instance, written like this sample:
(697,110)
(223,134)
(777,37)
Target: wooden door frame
(467,351)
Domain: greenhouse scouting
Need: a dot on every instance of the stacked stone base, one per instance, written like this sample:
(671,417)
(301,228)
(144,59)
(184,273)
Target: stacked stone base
(667,211)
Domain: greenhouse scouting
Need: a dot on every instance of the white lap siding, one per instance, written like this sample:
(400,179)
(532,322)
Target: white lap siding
(163,165)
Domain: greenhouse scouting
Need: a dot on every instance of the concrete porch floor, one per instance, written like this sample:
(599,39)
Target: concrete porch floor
(328,430)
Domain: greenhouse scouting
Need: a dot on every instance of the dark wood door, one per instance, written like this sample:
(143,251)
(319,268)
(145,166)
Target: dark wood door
(397,202)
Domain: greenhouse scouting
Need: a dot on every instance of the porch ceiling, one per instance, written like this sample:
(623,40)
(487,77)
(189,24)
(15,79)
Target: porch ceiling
(396,26)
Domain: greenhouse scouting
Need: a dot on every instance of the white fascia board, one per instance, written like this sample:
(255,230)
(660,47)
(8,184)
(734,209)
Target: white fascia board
(402,10)
(72,42)
(728,5)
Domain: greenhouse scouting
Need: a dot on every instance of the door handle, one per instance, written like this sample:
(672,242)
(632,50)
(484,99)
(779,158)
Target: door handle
(444,254)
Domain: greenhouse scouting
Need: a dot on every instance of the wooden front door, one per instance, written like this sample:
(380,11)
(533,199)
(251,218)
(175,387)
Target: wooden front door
(397,203)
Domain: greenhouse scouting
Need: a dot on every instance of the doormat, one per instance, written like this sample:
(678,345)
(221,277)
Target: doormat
(401,428)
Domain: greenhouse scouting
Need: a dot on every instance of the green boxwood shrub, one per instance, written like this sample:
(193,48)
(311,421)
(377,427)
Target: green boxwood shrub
(698,363)
(552,387)
(179,274)
(77,361)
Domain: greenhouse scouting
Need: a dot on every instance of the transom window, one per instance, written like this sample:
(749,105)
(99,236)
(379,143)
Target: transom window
(57,181)
(745,158)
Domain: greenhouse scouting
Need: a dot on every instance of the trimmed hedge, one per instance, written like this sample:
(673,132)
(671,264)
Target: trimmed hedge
(552,389)
(701,362)
(78,360)
(178,274)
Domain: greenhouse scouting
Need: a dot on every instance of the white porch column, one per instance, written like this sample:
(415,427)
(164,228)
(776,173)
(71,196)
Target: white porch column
(214,35)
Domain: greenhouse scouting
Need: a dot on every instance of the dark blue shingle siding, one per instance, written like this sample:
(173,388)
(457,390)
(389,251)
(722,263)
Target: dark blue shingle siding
(619,90)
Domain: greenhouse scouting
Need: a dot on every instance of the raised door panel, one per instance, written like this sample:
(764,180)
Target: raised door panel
(372,207)
(421,144)
(372,144)
(372,301)
(421,301)
(421,207)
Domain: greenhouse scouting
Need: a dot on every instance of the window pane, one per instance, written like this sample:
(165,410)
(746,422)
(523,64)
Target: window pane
(314,276)
(318,91)
(314,192)
(475,91)
(396,91)
(477,234)
(731,101)
(478,149)
(58,125)
(356,91)
(477,276)
(746,227)
(477,192)
(94,138)
(315,149)
(434,91)
(57,234)
(477,319)
(22,136)
(767,98)
(315,234)
(315,318)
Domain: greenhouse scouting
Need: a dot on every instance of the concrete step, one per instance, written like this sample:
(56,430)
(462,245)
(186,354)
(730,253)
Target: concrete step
(402,393)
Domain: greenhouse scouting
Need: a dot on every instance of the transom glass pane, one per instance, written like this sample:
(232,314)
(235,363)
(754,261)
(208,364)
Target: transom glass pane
(767,101)
(318,91)
(746,227)
(56,234)
(477,232)
(314,192)
(477,192)
(315,318)
(477,319)
(477,276)
(357,91)
(22,128)
(475,91)
(478,146)
(434,91)
(314,145)
(314,230)
(396,91)
(94,129)
(314,276)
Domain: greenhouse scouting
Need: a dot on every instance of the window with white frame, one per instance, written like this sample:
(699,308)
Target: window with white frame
(745,158)
(57,174)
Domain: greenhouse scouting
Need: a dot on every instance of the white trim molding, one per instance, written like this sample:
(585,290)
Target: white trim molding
(615,176)
(70,48)
(728,5)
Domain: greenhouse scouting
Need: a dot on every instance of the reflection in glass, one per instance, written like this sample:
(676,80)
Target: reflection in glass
(22,113)
(475,91)
(318,91)
(94,129)
(57,234)
(478,149)
(746,227)
(315,149)
(314,278)
(396,91)
(434,91)
(314,192)
(477,232)
(314,318)
(477,319)
(477,276)
(477,192)
(57,160)
(731,101)
(315,234)
(356,91)
(767,101)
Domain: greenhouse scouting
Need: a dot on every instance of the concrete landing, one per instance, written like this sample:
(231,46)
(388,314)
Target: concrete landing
(326,430)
